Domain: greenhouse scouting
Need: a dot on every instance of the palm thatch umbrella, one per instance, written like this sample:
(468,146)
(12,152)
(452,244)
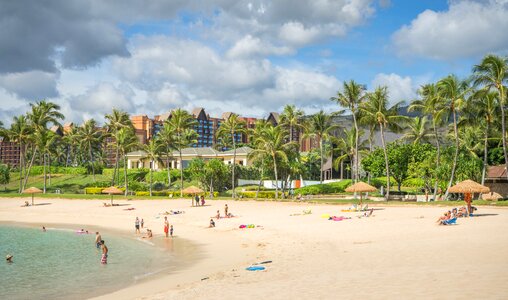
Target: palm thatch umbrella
(468,187)
(192,190)
(112,190)
(32,190)
(360,187)
(491,196)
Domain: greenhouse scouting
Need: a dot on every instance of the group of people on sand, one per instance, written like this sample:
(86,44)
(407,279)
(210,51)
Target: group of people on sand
(455,213)
(199,200)
(227,214)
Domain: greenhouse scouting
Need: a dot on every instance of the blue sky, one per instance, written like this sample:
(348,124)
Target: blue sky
(246,56)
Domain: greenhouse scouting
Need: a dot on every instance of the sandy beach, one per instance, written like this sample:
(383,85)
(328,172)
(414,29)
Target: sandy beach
(400,252)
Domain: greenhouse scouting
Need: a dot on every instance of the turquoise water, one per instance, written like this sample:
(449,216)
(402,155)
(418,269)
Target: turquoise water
(60,264)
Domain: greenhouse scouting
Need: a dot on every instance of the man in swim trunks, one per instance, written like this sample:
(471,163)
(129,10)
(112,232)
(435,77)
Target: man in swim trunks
(98,240)
(136,223)
(104,258)
(166,226)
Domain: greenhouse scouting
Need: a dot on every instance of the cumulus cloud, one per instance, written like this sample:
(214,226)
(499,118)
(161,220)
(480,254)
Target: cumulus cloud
(467,28)
(250,46)
(399,88)
(33,85)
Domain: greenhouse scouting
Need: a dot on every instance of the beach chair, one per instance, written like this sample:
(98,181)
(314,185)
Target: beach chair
(449,222)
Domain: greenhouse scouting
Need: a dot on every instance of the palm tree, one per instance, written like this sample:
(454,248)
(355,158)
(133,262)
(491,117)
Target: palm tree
(44,142)
(492,74)
(454,92)
(152,150)
(432,105)
(291,118)
(260,157)
(321,127)
(116,121)
(351,97)
(20,132)
(127,141)
(71,141)
(90,139)
(182,123)
(166,137)
(482,111)
(272,142)
(418,130)
(347,147)
(231,128)
(375,109)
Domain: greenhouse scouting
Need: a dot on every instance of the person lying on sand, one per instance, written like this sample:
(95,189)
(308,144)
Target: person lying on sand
(445,217)
(106,204)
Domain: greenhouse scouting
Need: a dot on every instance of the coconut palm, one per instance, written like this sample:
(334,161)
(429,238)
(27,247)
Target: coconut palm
(116,120)
(454,93)
(272,142)
(347,147)
(127,141)
(291,118)
(418,130)
(182,123)
(260,157)
(230,129)
(492,74)
(166,137)
(321,127)
(376,109)
(152,149)
(352,95)
(90,139)
(20,132)
(44,141)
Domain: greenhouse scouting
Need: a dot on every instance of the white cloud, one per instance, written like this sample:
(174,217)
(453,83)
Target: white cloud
(32,85)
(467,28)
(250,46)
(399,88)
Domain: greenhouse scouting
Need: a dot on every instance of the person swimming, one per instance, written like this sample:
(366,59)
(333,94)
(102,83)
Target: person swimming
(8,258)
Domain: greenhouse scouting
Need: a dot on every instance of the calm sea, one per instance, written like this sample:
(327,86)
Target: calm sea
(61,264)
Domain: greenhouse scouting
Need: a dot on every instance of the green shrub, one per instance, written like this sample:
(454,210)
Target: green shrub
(39,170)
(414,182)
(254,188)
(138,186)
(261,194)
(93,190)
(142,193)
(381,181)
(326,188)
(102,184)
(162,176)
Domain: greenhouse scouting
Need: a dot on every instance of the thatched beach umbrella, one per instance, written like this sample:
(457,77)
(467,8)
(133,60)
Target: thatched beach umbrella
(192,190)
(491,196)
(112,190)
(360,187)
(32,190)
(468,187)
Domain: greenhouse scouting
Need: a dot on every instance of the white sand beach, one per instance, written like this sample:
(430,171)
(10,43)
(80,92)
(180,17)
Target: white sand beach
(398,253)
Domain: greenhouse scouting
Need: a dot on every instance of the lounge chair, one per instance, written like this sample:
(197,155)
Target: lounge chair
(449,222)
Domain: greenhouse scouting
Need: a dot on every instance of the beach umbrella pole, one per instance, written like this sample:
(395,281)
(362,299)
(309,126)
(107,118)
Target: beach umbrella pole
(32,199)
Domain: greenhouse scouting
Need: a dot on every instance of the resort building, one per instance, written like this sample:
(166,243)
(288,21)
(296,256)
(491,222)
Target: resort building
(9,153)
(139,159)
(496,180)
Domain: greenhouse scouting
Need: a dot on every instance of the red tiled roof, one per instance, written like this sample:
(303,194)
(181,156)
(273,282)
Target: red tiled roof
(496,171)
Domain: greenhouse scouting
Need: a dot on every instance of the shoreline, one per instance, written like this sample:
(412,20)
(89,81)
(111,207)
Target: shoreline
(400,252)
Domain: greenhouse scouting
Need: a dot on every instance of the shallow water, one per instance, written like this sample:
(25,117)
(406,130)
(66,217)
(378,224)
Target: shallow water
(61,264)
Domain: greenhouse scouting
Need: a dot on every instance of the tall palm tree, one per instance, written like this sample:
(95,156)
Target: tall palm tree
(321,127)
(90,139)
(432,105)
(492,74)
(351,97)
(45,141)
(71,141)
(152,150)
(347,147)
(127,141)
(117,120)
(20,132)
(231,128)
(255,133)
(182,123)
(418,130)
(376,109)
(272,142)
(166,137)
(482,110)
(454,93)
(291,118)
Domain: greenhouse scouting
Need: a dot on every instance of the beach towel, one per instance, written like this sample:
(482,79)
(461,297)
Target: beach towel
(341,218)
(255,268)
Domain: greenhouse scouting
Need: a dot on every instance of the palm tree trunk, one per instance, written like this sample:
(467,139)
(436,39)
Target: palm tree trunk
(276,178)
(454,166)
(168,169)
(44,169)
(355,155)
(125,175)
(386,161)
(49,169)
(181,171)
(438,158)
(29,168)
(503,124)
(113,181)
(321,169)
(151,167)
(485,153)
(91,159)
(234,162)
(260,180)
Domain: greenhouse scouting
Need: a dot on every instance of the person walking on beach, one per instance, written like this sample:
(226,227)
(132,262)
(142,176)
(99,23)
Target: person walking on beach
(136,223)
(226,211)
(197,200)
(171,231)
(98,240)
(166,226)
(142,223)
(104,257)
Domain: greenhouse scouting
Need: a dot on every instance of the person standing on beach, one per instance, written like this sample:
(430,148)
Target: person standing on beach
(136,224)
(98,240)
(197,200)
(171,231)
(142,223)
(104,257)
(226,211)
(166,226)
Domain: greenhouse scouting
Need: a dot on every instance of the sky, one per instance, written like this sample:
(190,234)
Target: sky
(250,57)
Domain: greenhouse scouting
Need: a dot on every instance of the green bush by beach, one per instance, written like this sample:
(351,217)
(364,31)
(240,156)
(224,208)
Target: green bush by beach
(325,188)
(39,170)
(261,194)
